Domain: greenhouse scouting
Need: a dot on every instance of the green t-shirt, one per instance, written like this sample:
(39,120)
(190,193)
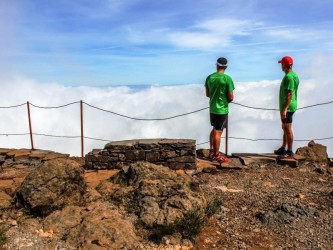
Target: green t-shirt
(219,85)
(289,82)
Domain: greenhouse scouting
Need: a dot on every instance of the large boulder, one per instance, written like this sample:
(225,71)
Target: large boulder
(155,194)
(314,152)
(53,185)
(5,200)
(97,226)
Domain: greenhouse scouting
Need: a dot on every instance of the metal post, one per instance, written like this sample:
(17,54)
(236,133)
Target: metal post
(30,127)
(82,139)
(226,137)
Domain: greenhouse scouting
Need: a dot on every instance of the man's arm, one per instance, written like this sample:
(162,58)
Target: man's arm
(207,92)
(286,105)
(230,96)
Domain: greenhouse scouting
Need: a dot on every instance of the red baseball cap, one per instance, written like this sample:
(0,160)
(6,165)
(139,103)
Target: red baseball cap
(287,60)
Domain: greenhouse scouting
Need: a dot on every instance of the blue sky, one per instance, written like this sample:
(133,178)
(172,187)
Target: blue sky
(58,52)
(113,42)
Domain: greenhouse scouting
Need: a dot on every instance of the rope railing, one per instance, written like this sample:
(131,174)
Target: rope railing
(138,119)
(156,119)
(59,136)
(55,107)
(106,140)
(305,107)
(145,119)
(9,134)
(269,139)
(14,106)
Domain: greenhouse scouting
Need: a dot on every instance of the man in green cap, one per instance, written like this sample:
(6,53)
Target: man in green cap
(219,88)
(288,106)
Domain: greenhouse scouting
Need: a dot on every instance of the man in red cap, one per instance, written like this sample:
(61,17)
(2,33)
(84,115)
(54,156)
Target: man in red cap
(288,106)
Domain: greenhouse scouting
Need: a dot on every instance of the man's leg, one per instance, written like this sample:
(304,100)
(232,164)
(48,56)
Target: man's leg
(288,133)
(282,149)
(218,123)
(288,136)
(216,141)
(211,140)
(284,140)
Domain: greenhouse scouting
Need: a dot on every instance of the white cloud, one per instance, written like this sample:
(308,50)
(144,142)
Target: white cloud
(198,40)
(285,33)
(226,26)
(154,102)
(213,33)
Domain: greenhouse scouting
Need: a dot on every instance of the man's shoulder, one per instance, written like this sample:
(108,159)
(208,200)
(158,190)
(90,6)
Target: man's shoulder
(227,76)
(212,74)
(291,76)
(220,74)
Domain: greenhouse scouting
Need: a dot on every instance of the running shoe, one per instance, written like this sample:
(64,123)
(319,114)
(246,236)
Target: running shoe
(287,155)
(280,151)
(220,158)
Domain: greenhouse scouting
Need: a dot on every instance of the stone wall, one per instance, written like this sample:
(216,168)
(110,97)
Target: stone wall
(173,153)
(28,157)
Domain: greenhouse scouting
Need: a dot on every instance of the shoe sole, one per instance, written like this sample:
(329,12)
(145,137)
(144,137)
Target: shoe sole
(286,157)
(221,161)
(277,153)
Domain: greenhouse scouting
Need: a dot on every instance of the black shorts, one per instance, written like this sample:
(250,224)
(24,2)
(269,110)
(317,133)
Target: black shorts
(289,118)
(219,122)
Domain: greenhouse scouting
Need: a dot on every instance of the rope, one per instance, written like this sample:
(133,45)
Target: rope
(309,106)
(230,137)
(59,136)
(15,134)
(253,107)
(96,139)
(156,119)
(14,106)
(263,139)
(318,104)
(55,107)
(195,111)
(144,119)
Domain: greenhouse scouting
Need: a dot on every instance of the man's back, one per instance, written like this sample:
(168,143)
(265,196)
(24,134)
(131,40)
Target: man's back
(218,85)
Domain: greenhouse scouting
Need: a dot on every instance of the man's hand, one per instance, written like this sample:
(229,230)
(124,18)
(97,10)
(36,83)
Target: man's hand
(230,96)
(285,108)
(283,114)
(207,92)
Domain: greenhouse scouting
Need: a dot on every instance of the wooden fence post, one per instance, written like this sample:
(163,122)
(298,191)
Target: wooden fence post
(82,136)
(30,127)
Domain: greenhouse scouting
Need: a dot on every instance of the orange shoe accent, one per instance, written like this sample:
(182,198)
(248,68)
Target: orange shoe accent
(220,158)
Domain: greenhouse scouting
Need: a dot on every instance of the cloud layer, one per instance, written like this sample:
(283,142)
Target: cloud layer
(154,102)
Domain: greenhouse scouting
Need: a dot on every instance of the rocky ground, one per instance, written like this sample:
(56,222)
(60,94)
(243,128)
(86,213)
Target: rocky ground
(265,205)
(270,207)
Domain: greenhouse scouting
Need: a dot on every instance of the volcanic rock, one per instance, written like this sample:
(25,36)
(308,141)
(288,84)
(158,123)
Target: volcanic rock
(53,185)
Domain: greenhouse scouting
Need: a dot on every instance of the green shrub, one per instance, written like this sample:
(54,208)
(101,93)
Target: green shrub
(3,237)
(189,226)
(213,206)
(192,223)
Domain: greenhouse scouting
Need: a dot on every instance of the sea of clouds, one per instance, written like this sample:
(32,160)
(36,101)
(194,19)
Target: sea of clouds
(156,102)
